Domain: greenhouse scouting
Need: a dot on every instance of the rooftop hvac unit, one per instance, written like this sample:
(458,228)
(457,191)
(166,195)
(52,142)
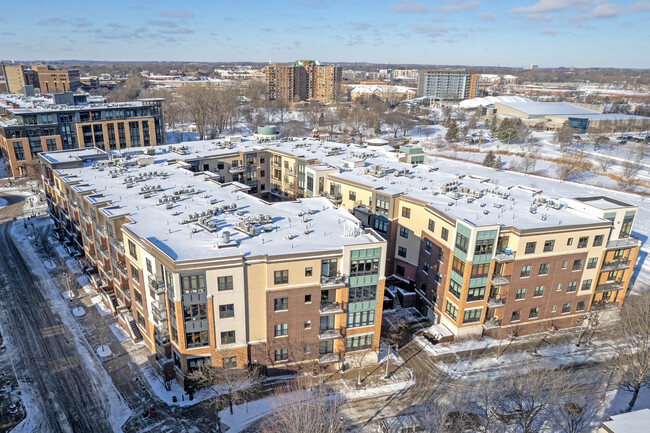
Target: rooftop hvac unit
(225,235)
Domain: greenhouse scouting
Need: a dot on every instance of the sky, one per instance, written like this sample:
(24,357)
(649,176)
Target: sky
(550,33)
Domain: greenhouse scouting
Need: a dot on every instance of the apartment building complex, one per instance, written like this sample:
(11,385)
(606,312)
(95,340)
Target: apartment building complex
(446,85)
(43,78)
(482,257)
(30,125)
(303,80)
(205,273)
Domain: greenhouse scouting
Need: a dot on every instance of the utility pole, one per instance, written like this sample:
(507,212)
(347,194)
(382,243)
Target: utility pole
(582,327)
(387,362)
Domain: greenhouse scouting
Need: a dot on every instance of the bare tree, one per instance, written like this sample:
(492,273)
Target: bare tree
(632,165)
(634,348)
(396,335)
(528,398)
(195,101)
(605,163)
(564,136)
(571,165)
(576,414)
(300,411)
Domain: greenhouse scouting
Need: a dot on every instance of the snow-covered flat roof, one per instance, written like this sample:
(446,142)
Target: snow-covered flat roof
(303,226)
(547,108)
(632,422)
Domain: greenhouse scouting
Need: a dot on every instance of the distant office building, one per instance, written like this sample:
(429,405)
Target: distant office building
(475,86)
(17,77)
(303,80)
(533,67)
(31,125)
(45,78)
(450,85)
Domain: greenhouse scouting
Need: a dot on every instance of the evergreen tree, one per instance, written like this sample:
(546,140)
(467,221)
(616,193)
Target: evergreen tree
(452,132)
(489,159)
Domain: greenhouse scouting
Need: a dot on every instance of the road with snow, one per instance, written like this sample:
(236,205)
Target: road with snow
(63,389)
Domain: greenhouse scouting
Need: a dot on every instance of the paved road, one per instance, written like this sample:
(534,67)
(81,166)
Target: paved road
(62,385)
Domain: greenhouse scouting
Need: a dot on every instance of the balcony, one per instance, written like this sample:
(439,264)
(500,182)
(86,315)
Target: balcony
(122,270)
(101,230)
(358,206)
(159,311)
(127,293)
(335,198)
(237,170)
(615,265)
(328,334)
(500,280)
(157,283)
(492,323)
(622,243)
(332,308)
(609,286)
(496,302)
(335,281)
(505,255)
(328,357)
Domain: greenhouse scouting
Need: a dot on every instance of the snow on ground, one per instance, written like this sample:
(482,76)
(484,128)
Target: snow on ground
(119,333)
(3,202)
(158,387)
(116,408)
(392,386)
(99,304)
(617,400)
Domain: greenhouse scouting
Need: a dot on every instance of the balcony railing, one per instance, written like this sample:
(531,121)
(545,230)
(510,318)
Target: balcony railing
(496,302)
(159,311)
(328,357)
(500,280)
(622,243)
(492,323)
(237,170)
(615,265)
(122,270)
(328,334)
(157,283)
(335,198)
(337,280)
(505,255)
(332,307)
(117,245)
(610,286)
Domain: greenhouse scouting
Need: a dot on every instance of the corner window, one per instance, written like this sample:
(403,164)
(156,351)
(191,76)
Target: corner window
(472,316)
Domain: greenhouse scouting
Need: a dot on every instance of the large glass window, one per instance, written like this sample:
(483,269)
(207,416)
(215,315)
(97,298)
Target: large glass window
(359,343)
(195,312)
(626,227)
(458,266)
(192,284)
(476,294)
(484,246)
(197,339)
(462,242)
(362,294)
(473,315)
(281,330)
(455,288)
(451,310)
(480,271)
(364,267)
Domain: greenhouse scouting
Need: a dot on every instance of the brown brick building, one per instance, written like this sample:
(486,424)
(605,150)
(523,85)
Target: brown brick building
(302,81)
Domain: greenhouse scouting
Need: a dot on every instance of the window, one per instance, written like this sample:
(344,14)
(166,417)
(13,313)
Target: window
(141,320)
(280,304)
(135,274)
(444,234)
(227,337)
(455,288)
(307,349)
(224,283)
(598,240)
(382,204)
(564,264)
(476,294)
(425,268)
(401,251)
(592,262)
(543,269)
(281,355)
(195,312)
(451,310)
(525,271)
(516,316)
(569,241)
(432,225)
(307,299)
(404,232)
(577,265)
(572,286)
(611,276)
(381,225)
(149,267)
(281,277)
(534,313)
(138,297)
(197,339)
(362,294)
(539,291)
(441,256)
(400,270)
(521,294)
(480,271)
(352,195)
(458,266)
(580,306)
(361,318)
(359,343)
(229,362)
(406,212)
(586,285)
(282,330)
(427,246)
(462,242)
(626,227)
(132,249)
(308,272)
(553,308)
(548,246)
(559,287)
(483,247)
(582,242)
(472,316)
(530,247)
(566,308)
(191,284)
(307,324)
(226,310)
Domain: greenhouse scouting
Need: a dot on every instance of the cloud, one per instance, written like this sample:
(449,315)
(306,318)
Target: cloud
(489,17)
(431,31)
(52,22)
(162,23)
(545,6)
(181,31)
(408,6)
(606,10)
(640,6)
(457,6)
(82,22)
(362,26)
(549,32)
(181,13)
(7,34)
